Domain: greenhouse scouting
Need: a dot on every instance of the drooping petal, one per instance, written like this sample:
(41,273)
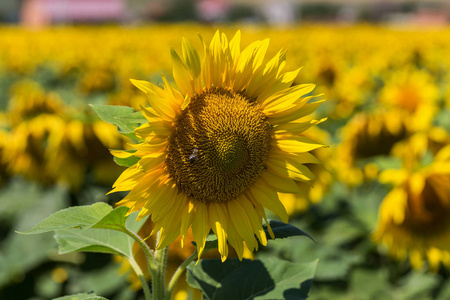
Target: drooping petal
(218,223)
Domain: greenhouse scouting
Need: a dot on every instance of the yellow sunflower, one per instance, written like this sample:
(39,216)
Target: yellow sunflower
(414,218)
(366,136)
(412,91)
(215,153)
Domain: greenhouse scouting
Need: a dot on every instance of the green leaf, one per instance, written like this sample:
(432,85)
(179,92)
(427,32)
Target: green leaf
(82,296)
(99,239)
(94,228)
(282,230)
(134,118)
(72,217)
(117,115)
(126,162)
(252,279)
(98,215)
(114,220)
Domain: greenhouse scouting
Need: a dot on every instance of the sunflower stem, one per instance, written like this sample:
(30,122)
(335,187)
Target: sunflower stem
(158,281)
(148,254)
(140,275)
(178,274)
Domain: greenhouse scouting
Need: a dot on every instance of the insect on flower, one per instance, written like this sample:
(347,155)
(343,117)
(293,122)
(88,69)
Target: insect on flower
(193,157)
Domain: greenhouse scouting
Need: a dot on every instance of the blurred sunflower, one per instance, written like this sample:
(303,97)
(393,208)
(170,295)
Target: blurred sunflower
(82,146)
(48,142)
(414,218)
(414,92)
(34,118)
(366,136)
(214,154)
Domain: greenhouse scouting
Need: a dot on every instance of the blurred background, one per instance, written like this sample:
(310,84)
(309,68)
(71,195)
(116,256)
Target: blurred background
(379,208)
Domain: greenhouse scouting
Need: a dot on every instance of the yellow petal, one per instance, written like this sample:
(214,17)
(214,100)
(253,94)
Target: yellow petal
(150,129)
(181,74)
(200,227)
(295,128)
(242,223)
(296,112)
(296,144)
(290,168)
(121,153)
(282,184)
(269,199)
(165,107)
(255,220)
(218,223)
(284,99)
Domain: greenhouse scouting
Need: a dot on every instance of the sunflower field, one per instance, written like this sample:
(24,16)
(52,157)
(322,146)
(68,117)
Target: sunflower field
(377,206)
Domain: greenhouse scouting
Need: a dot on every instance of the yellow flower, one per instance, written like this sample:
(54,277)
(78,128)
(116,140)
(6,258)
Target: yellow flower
(414,92)
(28,100)
(215,153)
(80,146)
(46,143)
(367,135)
(414,218)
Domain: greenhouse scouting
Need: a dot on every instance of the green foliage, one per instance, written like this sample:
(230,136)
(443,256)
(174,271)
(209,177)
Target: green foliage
(82,217)
(124,117)
(20,254)
(270,278)
(93,228)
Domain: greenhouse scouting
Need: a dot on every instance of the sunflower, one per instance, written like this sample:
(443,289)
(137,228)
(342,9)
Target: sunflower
(49,142)
(412,91)
(216,152)
(367,136)
(414,218)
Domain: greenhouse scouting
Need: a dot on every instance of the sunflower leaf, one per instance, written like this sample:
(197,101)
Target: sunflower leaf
(282,230)
(98,215)
(94,240)
(119,116)
(99,239)
(134,118)
(82,296)
(126,162)
(72,217)
(251,279)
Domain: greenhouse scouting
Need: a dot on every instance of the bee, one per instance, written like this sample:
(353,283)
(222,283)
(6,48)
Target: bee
(193,157)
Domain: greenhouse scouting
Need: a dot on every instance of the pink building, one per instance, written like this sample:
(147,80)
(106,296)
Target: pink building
(37,13)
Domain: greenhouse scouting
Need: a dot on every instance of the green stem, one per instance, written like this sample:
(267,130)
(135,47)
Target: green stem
(158,282)
(140,274)
(148,253)
(178,274)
